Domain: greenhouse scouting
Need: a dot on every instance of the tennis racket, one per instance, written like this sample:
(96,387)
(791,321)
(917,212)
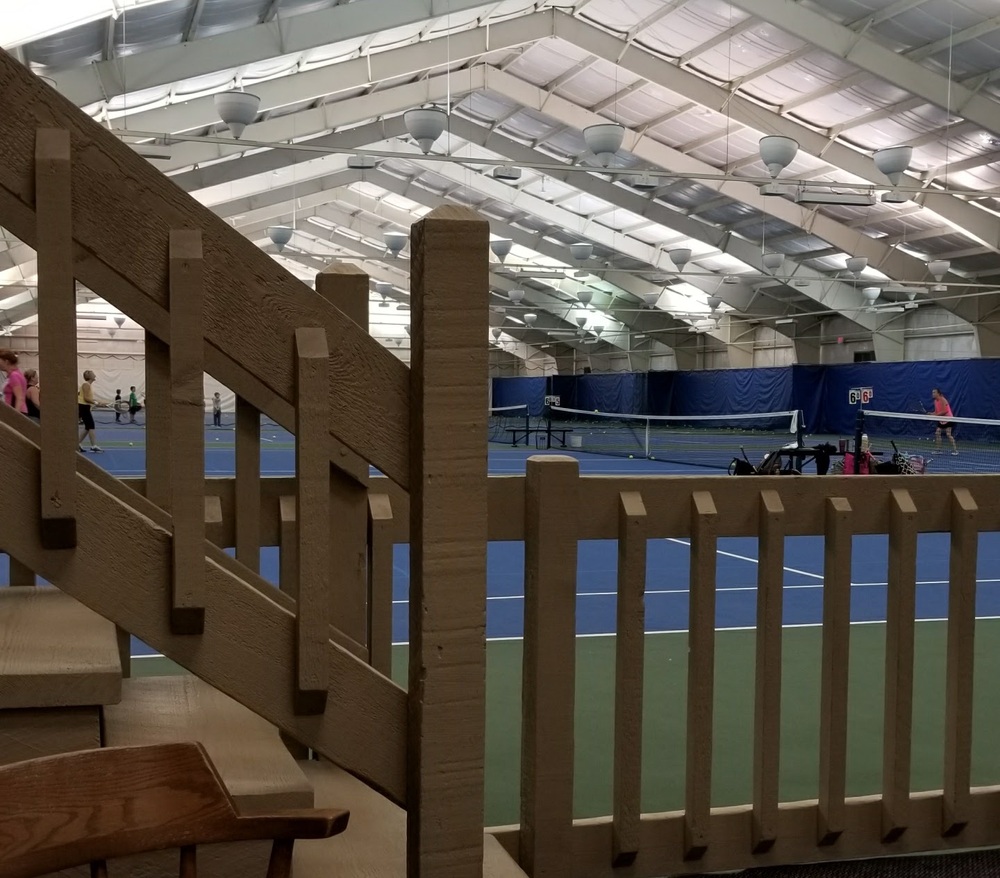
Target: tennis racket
(916,406)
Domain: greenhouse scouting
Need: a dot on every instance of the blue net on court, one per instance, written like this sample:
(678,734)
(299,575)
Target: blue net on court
(696,440)
(503,419)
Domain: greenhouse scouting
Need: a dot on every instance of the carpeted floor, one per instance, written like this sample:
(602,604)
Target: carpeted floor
(978,864)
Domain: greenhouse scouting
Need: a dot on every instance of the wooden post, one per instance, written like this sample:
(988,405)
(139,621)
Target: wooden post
(56,337)
(961,660)
(549,665)
(345,287)
(834,674)
(288,551)
(701,676)
(629,661)
(900,616)
(448,509)
(187,434)
(247,484)
(767,688)
(312,517)
(380,583)
(158,426)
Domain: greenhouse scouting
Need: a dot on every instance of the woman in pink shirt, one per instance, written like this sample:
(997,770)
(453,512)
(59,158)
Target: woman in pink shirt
(15,390)
(943,410)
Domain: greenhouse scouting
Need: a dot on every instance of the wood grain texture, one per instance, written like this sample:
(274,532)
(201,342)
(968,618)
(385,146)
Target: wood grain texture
(449,284)
(40,666)
(187,431)
(248,653)
(375,844)
(255,766)
(834,674)
(126,800)
(247,511)
(959,673)
(56,334)
(629,662)
(31,733)
(661,845)
(123,209)
(701,674)
(899,630)
(767,670)
(380,571)
(312,513)
(548,681)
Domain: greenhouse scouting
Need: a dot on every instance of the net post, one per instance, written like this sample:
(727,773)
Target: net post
(646,449)
(859,429)
(800,428)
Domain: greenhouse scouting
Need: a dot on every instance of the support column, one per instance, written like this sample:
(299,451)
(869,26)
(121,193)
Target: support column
(448,533)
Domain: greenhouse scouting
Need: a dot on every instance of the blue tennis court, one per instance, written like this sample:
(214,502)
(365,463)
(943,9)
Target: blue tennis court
(667,562)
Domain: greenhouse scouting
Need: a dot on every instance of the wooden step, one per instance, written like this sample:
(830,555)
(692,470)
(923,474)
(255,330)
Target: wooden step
(256,767)
(54,652)
(374,845)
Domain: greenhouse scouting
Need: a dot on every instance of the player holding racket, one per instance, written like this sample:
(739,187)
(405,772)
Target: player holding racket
(942,409)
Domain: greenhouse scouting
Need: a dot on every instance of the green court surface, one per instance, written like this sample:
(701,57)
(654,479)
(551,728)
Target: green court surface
(664,714)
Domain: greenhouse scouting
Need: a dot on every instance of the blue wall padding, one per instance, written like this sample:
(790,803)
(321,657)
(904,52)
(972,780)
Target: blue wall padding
(819,392)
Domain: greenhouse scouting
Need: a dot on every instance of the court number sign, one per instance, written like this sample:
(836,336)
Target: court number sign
(552,400)
(861,395)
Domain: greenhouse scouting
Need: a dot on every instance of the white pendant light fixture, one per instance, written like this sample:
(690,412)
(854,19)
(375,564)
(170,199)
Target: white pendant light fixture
(529,319)
(893,161)
(650,299)
(280,236)
(515,296)
(119,322)
(585,297)
(506,172)
(395,242)
(604,140)
(772,261)
(237,109)
(714,302)
(680,257)
(496,332)
(501,247)
(938,269)
(857,264)
(581,322)
(425,125)
(581,252)
(777,152)
(871,295)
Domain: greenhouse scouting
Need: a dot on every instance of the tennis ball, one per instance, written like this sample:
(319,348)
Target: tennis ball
(596,411)
(630,457)
(131,443)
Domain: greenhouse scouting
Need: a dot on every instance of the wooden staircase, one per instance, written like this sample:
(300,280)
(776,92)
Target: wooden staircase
(301,658)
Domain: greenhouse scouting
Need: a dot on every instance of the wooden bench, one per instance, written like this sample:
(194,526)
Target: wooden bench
(97,805)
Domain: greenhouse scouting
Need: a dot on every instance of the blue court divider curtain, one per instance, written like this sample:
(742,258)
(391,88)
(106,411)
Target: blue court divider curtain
(731,391)
(520,391)
(820,392)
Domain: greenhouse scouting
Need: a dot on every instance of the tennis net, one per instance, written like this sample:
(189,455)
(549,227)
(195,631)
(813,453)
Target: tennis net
(504,418)
(976,448)
(697,440)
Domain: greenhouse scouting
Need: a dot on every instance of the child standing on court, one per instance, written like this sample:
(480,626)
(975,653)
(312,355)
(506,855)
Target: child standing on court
(217,410)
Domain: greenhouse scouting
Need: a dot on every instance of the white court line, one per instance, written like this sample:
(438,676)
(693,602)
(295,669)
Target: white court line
(748,558)
(719,591)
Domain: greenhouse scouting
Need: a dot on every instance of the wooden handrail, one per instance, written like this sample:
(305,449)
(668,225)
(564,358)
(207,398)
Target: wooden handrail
(95,805)
(252,304)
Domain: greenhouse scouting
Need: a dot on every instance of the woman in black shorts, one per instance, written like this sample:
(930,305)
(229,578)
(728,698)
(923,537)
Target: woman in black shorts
(85,401)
